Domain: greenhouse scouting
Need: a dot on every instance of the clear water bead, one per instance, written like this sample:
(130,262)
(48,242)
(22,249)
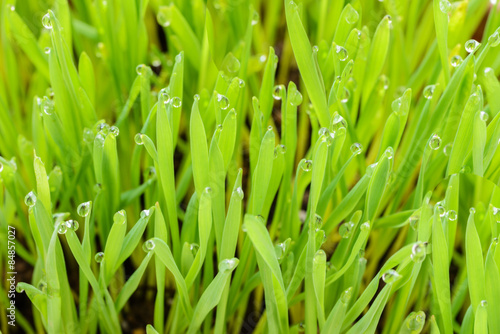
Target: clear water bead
(451,215)
(418,252)
(415,321)
(99,257)
(456,61)
(483,116)
(228,265)
(148,245)
(223,101)
(435,142)
(341,53)
(429,91)
(296,98)
(351,15)
(120,217)
(138,139)
(164,16)
(72,224)
(345,230)
(356,148)
(238,193)
(279,150)
(114,130)
(62,227)
(306,165)
(391,276)
(145,213)
(472,45)
(176,102)
(494,39)
(445,6)
(278,91)
(30,199)
(255,17)
(346,295)
(414,222)
(83,209)
(46,21)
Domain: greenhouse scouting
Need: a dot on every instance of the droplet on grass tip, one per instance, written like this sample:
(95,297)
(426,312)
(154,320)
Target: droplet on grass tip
(19,288)
(83,209)
(483,116)
(356,148)
(278,91)
(296,98)
(138,139)
(391,276)
(176,102)
(451,215)
(120,217)
(114,130)
(46,21)
(435,142)
(338,122)
(47,106)
(72,224)
(415,321)
(164,16)
(255,17)
(494,39)
(306,165)
(228,264)
(445,6)
(30,199)
(238,193)
(145,213)
(279,149)
(223,101)
(61,227)
(194,247)
(414,222)
(341,53)
(472,45)
(429,91)
(99,257)
(345,229)
(346,295)
(351,15)
(456,61)
(418,252)
(148,245)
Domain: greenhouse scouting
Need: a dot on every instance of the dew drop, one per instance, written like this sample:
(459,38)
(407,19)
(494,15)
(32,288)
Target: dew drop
(30,199)
(42,286)
(415,321)
(99,257)
(194,248)
(97,188)
(228,265)
(223,101)
(255,17)
(148,245)
(429,91)
(279,149)
(46,21)
(72,224)
(447,150)
(389,153)
(418,252)
(345,230)
(494,39)
(356,148)
(484,303)
(496,214)
(306,165)
(164,96)
(451,215)
(319,257)
(241,83)
(396,105)
(114,130)
(296,98)
(435,142)
(138,139)
(46,50)
(176,102)
(238,193)
(145,213)
(19,289)
(338,122)
(456,61)
(445,6)
(345,96)
(47,106)
(164,16)
(483,116)
(120,217)
(391,276)
(83,209)
(346,295)
(341,53)
(208,191)
(351,15)
(141,69)
(278,91)
(472,211)
(472,45)
(62,227)
(414,222)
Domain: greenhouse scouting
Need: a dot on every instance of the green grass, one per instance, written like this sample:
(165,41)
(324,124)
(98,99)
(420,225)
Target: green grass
(262,166)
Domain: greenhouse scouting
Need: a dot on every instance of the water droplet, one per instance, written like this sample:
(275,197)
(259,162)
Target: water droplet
(389,153)
(228,264)
(494,241)
(496,214)
(483,116)
(306,165)
(338,122)
(47,106)
(440,210)
(391,276)
(164,16)
(208,191)
(323,132)
(120,217)
(319,257)
(414,222)
(351,15)
(415,321)
(145,213)
(1,167)
(151,172)
(418,252)
(46,21)
(176,102)
(451,215)
(456,61)
(484,303)
(238,193)
(429,91)
(389,20)
(97,188)
(194,248)
(346,295)
(269,128)
(301,327)
(365,227)
(472,45)
(223,101)
(345,229)
(318,222)
(114,129)
(42,286)
(435,142)
(62,227)
(138,139)
(472,211)
(12,8)
(19,289)
(345,96)
(83,209)
(72,224)
(296,98)
(255,17)
(164,96)
(241,83)
(447,150)
(445,6)
(279,149)
(494,39)
(141,69)
(278,91)
(341,53)
(99,257)
(30,199)
(356,148)
(370,169)
(396,105)
(148,245)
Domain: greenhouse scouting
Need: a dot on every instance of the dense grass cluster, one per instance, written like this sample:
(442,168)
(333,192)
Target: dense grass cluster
(250,166)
